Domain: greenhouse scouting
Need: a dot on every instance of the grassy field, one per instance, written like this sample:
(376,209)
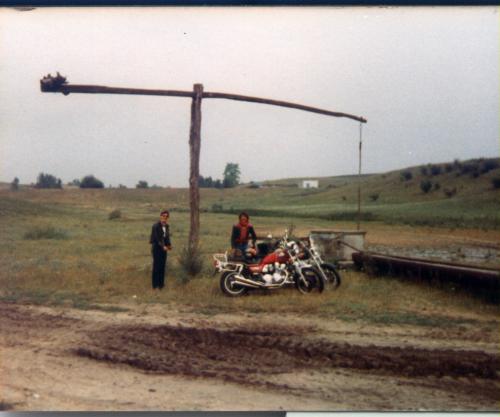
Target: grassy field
(60,247)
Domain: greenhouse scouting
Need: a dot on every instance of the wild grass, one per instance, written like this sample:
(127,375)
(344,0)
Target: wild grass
(102,264)
(47,232)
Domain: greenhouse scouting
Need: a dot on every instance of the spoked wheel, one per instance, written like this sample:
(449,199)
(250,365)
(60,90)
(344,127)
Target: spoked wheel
(332,276)
(229,286)
(312,281)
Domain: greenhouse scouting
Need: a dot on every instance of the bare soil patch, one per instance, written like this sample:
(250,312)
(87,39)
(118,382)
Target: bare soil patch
(158,358)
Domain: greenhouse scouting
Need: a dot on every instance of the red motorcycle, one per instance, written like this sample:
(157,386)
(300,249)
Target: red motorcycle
(280,268)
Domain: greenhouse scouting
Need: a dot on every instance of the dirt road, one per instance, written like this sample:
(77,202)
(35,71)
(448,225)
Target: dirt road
(153,357)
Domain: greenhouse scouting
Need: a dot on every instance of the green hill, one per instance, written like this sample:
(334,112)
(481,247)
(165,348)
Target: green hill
(461,194)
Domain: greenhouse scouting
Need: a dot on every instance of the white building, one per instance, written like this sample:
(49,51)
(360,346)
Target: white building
(310,184)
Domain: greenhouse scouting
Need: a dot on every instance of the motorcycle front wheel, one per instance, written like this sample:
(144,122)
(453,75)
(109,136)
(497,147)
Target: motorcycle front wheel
(229,286)
(332,276)
(314,281)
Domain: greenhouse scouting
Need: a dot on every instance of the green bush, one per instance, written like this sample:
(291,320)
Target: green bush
(91,182)
(14,185)
(489,165)
(435,170)
(450,192)
(48,232)
(191,263)
(217,208)
(48,181)
(115,214)
(406,176)
(425,186)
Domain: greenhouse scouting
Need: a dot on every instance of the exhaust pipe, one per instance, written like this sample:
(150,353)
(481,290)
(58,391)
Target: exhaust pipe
(254,284)
(247,283)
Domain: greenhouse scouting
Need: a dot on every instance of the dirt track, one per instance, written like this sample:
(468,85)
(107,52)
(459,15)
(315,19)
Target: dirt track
(151,358)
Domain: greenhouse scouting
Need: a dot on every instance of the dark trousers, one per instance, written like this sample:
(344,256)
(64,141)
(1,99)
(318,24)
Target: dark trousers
(159,263)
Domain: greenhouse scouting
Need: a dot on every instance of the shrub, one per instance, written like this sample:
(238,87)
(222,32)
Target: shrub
(435,170)
(91,182)
(450,192)
(48,232)
(496,182)
(424,171)
(437,186)
(374,196)
(488,165)
(115,214)
(14,185)
(48,181)
(425,186)
(469,168)
(406,176)
(142,184)
(191,263)
(448,168)
(217,208)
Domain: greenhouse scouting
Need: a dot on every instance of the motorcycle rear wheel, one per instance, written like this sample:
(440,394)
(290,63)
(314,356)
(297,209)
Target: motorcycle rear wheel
(314,282)
(229,287)
(332,276)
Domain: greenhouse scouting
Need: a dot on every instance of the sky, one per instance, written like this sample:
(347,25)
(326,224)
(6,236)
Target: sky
(425,78)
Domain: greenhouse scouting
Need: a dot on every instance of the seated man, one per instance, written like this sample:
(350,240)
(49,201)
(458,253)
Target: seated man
(242,233)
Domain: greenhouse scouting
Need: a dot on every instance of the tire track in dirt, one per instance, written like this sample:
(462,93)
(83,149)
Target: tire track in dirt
(250,356)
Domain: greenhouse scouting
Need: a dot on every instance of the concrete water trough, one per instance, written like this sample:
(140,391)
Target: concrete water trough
(478,279)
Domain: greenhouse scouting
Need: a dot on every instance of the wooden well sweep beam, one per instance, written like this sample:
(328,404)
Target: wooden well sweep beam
(58,84)
(98,89)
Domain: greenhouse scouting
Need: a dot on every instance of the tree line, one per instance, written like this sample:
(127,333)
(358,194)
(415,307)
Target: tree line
(231,178)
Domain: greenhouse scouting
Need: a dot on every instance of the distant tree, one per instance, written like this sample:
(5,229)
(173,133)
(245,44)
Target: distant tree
(424,170)
(75,182)
(435,170)
(205,182)
(48,181)
(231,175)
(218,183)
(91,182)
(488,165)
(448,167)
(142,184)
(14,185)
(122,186)
(406,176)
(425,186)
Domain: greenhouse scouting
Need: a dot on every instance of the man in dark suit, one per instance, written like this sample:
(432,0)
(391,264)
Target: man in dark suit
(160,245)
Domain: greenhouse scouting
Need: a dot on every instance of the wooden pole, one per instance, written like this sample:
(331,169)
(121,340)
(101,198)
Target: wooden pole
(359,174)
(194,172)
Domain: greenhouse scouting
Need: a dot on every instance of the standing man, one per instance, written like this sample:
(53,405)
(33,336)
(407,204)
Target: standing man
(160,245)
